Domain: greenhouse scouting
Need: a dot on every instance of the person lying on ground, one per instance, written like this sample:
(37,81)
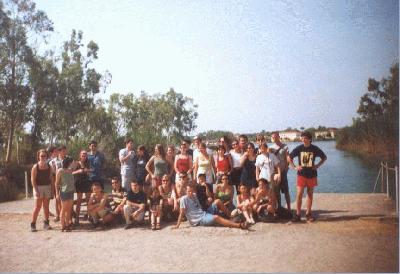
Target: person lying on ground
(191,208)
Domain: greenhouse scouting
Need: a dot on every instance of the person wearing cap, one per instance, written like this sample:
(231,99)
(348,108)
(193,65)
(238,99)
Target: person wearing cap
(306,172)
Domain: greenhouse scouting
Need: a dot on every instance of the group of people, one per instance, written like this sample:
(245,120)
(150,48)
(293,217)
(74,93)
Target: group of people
(193,184)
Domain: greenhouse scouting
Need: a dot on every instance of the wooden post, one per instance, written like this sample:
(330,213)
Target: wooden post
(382,184)
(396,170)
(387,181)
(26,185)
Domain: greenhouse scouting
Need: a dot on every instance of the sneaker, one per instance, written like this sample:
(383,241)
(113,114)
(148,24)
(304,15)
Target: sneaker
(33,227)
(296,218)
(57,219)
(46,225)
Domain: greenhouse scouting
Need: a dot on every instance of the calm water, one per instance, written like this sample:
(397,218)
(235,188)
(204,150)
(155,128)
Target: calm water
(341,173)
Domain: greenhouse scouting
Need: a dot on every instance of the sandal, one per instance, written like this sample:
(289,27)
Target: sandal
(244,225)
(153,226)
(158,226)
(310,218)
(68,228)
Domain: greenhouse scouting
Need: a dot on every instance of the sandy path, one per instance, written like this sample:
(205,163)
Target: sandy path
(362,238)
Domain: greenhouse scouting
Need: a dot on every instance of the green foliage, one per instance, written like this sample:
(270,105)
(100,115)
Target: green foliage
(18,19)
(376,131)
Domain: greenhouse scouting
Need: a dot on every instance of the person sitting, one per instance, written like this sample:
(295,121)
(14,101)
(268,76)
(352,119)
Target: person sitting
(134,208)
(168,194)
(180,186)
(155,202)
(98,206)
(203,192)
(117,197)
(244,203)
(191,208)
(263,204)
(224,192)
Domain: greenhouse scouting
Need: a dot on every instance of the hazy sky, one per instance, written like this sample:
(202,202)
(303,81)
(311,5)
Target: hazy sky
(248,65)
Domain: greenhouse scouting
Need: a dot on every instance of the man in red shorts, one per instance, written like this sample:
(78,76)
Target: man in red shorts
(306,172)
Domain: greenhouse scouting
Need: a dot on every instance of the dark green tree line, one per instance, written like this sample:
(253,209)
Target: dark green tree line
(376,130)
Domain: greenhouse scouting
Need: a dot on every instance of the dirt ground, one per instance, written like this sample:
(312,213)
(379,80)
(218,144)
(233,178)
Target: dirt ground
(353,233)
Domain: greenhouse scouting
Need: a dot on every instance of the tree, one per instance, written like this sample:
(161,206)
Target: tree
(18,20)
(76,86)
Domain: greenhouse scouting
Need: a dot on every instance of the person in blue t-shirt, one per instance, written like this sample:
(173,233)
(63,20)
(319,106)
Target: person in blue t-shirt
(96,164)
(191,208)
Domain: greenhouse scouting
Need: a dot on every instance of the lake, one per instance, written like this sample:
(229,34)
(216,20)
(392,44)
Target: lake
(343,172)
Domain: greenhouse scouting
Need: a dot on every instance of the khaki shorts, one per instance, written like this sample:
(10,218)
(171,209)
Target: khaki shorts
(44,192)
(103,212)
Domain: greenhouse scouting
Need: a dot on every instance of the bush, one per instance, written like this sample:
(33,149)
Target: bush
(8,190)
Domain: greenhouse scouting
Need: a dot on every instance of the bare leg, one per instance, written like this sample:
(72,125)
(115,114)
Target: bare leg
(58,207)
(310,192)
(220,205)
(225,222)
(46,203)
(299,197)
(62,214)
(36,210)
(78,205)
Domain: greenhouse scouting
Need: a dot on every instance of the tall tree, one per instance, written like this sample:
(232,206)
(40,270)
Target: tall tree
(77,85)
(18,20)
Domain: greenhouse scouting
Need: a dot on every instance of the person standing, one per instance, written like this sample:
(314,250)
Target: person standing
(267,167)
(281,151)
(96,164)
(128,165)
(82,184)
(56,164)
(42,182)
(183,163)
(236,153)
(306,172)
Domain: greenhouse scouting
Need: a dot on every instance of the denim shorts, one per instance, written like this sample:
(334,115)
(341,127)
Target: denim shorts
(64,196)
(212,209)
(207,220)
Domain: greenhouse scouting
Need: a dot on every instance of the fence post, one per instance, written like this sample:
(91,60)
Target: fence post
(26,185)
(382,184)
(396,171)
(377,178)
(387,181)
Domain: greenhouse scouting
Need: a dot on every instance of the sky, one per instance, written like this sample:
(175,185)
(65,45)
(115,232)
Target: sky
(248,65)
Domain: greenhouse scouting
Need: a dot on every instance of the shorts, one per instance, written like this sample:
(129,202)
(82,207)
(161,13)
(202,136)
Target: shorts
(212,209)
(284,186)
(306,182)
(103,212)
(65,196)
(44,192)
(207,220)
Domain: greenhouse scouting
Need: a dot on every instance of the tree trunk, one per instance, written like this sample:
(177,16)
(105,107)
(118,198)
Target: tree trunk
(10,141)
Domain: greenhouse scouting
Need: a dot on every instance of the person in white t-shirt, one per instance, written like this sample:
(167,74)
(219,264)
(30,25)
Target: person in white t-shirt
(267,167)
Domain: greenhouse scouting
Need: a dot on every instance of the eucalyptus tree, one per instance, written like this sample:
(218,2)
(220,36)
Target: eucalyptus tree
(77,84)
(20,22)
